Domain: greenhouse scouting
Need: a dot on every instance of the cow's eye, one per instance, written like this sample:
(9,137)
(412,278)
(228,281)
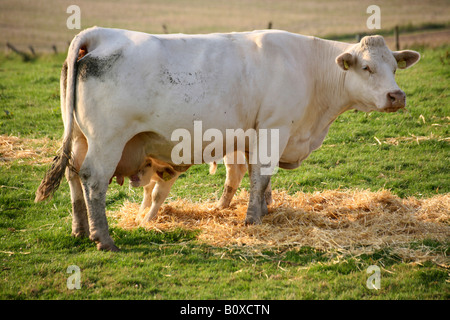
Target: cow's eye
(366,68)
(395,71)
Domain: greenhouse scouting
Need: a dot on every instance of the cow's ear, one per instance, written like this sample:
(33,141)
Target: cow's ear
(345,60)
(406,58)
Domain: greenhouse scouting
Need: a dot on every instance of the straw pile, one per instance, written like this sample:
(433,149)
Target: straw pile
(32,150)
(352,222)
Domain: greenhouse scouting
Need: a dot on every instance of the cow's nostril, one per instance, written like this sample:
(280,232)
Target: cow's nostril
(397,96)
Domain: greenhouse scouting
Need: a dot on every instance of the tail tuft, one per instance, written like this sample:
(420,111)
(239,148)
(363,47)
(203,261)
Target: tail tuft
(53,177)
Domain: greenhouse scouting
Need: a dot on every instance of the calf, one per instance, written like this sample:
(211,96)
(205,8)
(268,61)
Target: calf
(157,179)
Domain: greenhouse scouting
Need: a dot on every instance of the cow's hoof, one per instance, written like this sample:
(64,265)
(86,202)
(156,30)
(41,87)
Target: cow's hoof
(107,247)
(148,217)
(144,223)
(264,210)
(223,205)
(249,220)
(80,234)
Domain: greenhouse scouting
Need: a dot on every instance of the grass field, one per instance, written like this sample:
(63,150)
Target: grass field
(394,162)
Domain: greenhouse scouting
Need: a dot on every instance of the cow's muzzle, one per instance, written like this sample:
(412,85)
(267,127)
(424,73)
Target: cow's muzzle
(395,100)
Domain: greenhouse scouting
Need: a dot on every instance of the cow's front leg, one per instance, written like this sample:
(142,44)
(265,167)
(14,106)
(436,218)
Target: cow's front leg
(257,206)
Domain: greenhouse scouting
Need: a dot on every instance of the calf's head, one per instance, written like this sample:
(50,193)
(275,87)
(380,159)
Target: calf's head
(151,171)
(370,74)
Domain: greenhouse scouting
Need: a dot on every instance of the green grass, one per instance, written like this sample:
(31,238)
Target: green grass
(36,247)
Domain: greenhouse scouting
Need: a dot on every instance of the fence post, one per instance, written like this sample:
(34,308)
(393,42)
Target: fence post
(397,41)
(25,56)
(32,50)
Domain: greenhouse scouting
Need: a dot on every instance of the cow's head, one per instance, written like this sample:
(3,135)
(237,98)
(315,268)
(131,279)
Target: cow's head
(370,74)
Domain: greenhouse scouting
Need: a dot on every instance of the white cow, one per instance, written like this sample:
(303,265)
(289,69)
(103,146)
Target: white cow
(122,83)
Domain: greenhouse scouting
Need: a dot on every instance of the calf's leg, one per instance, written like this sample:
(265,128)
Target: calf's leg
(159,195)
(236,168)
(235,173)
(147,201)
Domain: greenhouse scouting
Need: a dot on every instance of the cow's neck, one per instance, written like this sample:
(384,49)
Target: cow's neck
(329,96)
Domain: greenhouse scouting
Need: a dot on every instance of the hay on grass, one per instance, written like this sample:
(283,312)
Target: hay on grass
(33,151)
(354,222)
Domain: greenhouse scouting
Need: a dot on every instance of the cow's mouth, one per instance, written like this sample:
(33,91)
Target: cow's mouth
(396,100)
(393,109)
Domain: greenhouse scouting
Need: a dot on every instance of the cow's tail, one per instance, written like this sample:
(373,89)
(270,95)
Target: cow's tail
(53,176)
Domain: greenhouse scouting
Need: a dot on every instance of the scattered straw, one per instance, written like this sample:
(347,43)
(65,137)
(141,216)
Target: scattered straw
(355,222)
(32,150)
(416,139)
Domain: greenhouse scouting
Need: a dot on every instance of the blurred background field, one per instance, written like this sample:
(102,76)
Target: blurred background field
(42,23)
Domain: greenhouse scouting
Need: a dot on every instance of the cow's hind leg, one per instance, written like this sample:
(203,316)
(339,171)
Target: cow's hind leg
(97,169)
(80,224)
